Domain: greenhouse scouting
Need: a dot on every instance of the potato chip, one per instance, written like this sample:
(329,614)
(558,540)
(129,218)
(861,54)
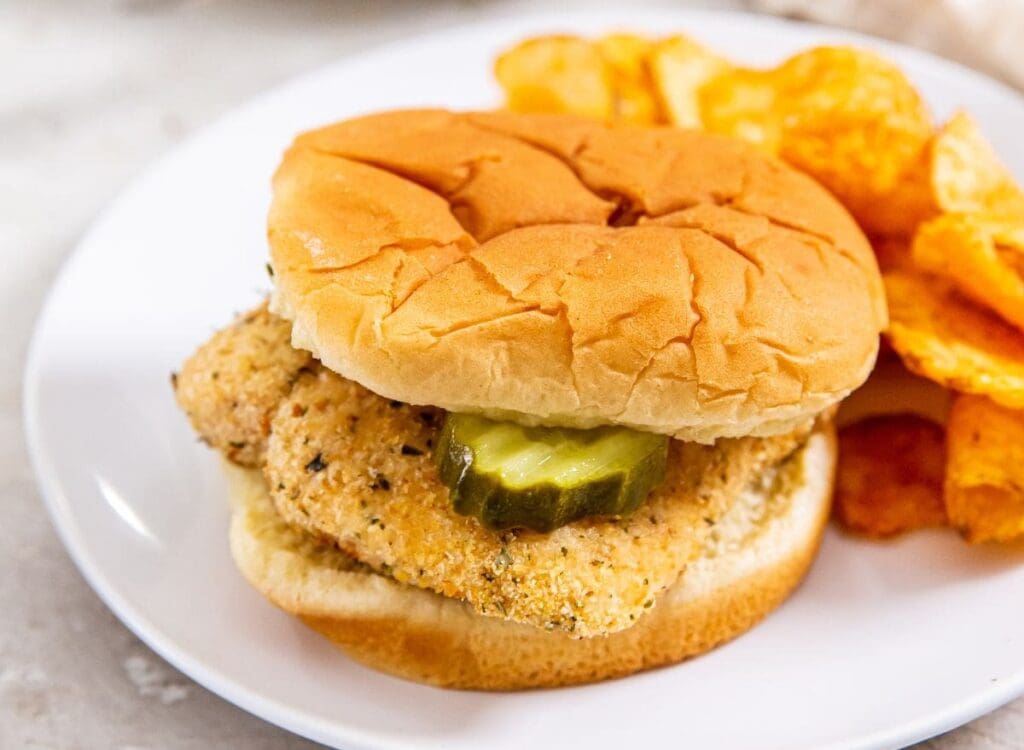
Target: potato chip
(889,476)
(966,174)
(626,56)
(742,103)
(982,255)
(556,74)
(899,211)
(984,486)
(845,116)
(853,121)
(679,67)
(947,338)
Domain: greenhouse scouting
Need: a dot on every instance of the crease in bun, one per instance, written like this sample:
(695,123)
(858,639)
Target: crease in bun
(551,269)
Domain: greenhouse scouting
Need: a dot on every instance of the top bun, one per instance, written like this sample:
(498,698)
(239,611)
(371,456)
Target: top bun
(557,270)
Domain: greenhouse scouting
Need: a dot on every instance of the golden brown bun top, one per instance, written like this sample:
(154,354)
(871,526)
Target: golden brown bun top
(555,269)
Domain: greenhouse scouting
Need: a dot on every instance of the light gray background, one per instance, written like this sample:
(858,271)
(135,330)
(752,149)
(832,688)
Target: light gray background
(90,93)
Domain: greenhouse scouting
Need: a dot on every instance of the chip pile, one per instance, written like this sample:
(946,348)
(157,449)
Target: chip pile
(945,216)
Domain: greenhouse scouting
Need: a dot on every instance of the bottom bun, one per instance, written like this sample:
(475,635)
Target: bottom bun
(764,546)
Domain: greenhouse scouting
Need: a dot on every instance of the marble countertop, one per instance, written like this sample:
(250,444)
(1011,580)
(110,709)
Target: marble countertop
(91,92)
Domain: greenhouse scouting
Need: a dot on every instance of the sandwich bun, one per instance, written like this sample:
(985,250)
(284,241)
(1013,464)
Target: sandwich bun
(763,548)
(553,269)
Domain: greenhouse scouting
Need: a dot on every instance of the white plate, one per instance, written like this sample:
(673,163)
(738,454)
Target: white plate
(884,644)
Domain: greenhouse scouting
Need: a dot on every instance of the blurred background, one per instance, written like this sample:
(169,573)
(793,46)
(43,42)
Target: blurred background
(91,91)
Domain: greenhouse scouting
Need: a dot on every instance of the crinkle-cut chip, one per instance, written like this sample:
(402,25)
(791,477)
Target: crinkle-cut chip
(679,67)
(947,338)
(899,211)
(607,78)
(847,117)
(985,472)
(741,103)
(633,99)
(966,174)
(556,74)
(854,121)
(889,476)
(983,255)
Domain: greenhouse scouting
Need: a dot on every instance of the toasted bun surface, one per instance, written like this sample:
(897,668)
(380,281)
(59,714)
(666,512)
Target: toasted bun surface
(757,559)
(554,269)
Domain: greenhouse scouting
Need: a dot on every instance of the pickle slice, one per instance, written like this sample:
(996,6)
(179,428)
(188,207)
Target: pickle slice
(540,478)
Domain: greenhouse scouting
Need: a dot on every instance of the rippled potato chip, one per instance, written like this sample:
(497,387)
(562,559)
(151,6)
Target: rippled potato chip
(679,67)
(846,116)
(946,338)
(633,95)
(985,473)
(556,74)
(966,174)
(854,121)
(743,103)
(607,79)
(982,255)
(889,477)
(898,211)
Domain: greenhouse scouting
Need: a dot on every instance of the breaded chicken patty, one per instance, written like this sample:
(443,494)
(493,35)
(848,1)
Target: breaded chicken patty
(351,466)
(234,382)
(354,468)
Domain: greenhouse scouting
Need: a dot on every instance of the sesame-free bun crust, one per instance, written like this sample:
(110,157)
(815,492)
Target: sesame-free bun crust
(555,269)
(426,637)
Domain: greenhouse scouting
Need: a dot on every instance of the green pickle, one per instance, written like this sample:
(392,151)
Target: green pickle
(540,478)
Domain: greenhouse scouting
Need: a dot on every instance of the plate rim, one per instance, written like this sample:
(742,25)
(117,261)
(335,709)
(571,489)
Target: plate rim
(295,720)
